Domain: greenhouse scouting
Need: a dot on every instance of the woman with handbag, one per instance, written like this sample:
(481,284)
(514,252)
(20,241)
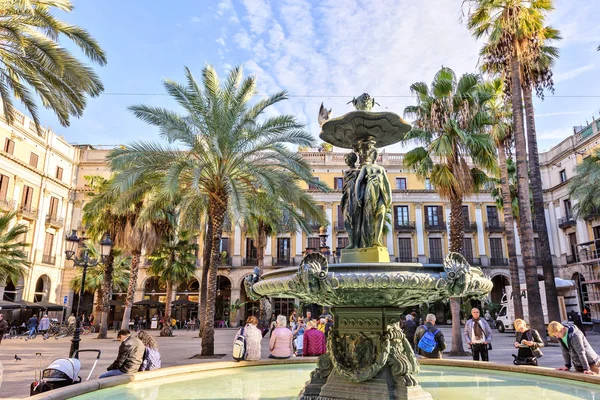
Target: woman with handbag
(529,342)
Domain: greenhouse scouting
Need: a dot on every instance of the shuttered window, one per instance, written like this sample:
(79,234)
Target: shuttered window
(467,249)
(9,146)
(48,244)
(404,250)
(435,250)
(53,211)
(27,198)
(496,250)
(33,160)
(4,180)
(59,173)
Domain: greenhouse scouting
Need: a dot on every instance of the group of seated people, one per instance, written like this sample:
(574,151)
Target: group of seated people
(136,353)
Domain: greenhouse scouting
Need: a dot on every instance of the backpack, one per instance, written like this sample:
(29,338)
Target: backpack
(427,343)
(239,346)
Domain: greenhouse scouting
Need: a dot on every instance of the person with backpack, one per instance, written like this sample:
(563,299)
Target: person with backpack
(247,341)
(429,341)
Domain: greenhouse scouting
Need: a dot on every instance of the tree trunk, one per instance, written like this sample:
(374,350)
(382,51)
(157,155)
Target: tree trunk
(206,256)
(539,209)
(217,215)
(98,308)
(107,289)
(261,244)
(509,226)
(456,243)
(133,275)
(536,315)
(166,330)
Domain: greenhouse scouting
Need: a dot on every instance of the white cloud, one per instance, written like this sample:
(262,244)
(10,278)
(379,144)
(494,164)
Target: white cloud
(242,39)
(195,20)
(554,114)
(220,41)
(572,73)
(259,15)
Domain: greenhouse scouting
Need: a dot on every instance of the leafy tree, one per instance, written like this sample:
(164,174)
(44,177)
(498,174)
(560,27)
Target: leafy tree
(226,150)
(13,260)
(450,122)
(514,29)
(173,262)
(100,219)
(31,57)
(269,215)
(584,187)
(94,278)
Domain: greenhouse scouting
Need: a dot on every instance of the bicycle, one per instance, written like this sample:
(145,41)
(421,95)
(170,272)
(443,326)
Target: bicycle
(88,329)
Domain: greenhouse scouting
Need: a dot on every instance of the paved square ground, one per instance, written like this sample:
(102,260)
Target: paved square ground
(177,351)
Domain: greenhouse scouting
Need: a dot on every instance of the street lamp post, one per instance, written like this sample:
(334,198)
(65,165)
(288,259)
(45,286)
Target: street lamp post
(84,261)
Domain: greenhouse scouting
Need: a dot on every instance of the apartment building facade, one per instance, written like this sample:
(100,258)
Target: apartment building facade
(43,178)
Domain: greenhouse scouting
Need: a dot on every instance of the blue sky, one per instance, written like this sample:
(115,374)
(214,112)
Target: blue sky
(329,50)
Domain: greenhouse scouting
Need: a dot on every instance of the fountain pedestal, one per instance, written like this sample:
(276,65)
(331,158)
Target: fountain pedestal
(375,254)
(368,357)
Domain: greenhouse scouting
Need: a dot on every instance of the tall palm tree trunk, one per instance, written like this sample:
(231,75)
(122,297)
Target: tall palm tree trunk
(166,330)
(217,216)
(107,289)
(98,308)
(261,244)
(456,242)
(133,276)
(509,228)
(538,208)
(206,257)
(536,316)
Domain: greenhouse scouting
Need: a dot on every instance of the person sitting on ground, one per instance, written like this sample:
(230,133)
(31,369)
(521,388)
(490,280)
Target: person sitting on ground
(298,332)
(528,341)
(130,357)
(280,344)
(314,340)
(151,358)
(575,348)
(438,337)
(321,325)
(253,337)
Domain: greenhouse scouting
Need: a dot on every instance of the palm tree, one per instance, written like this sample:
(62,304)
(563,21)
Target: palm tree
(13,260)
(269,215)
(584,187)
(31,56)
(100,219)
(450,122)
(94,278)
(509,25)
(506,196)
(173,262)
(226,149)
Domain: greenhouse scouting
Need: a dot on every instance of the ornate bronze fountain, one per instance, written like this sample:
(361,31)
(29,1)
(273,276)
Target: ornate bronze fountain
(368,355)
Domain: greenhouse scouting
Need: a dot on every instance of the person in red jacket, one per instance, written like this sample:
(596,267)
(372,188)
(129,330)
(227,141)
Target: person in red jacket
(314,341)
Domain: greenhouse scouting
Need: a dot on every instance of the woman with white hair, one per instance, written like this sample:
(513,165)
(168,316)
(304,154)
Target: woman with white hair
(280,344)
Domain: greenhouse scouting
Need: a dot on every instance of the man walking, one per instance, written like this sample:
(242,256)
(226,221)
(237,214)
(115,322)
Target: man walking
(575,348)
(131,355)
(478,336)
(429,341)
(32,325)
(3,327)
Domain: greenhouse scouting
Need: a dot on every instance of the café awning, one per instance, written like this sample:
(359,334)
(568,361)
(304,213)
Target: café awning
(149,303)
(184,302)
(9,305)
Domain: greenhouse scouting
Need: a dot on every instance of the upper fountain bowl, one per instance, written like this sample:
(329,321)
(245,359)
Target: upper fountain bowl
(384,128)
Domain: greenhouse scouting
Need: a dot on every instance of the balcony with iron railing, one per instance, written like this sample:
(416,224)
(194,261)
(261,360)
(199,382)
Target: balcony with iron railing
(28,212)
(406,259)
(565,222)
(494,225)
(249,261)
(469,226)
(473,261)
(435,260)
(48,259)
(404,226)
(225,261)
(283,261)
(7,204)
(54,222)
(435,226)
(340,226)
(314,226)
(498,262)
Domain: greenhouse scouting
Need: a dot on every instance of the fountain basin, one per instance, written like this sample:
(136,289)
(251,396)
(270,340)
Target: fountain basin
(283,379)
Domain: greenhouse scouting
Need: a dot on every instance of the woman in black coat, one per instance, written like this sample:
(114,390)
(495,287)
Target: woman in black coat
(528,341)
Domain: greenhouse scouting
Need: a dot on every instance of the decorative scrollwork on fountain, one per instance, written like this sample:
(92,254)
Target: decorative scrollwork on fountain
(358,356)
(402,358)
(312,274)
(464,280)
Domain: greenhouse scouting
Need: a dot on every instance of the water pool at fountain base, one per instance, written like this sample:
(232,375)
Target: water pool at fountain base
(286,381)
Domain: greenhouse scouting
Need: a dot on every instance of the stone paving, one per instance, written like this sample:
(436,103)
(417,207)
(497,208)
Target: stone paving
(177,351)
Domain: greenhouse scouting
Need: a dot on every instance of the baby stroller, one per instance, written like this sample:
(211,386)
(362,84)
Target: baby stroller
(60,373)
